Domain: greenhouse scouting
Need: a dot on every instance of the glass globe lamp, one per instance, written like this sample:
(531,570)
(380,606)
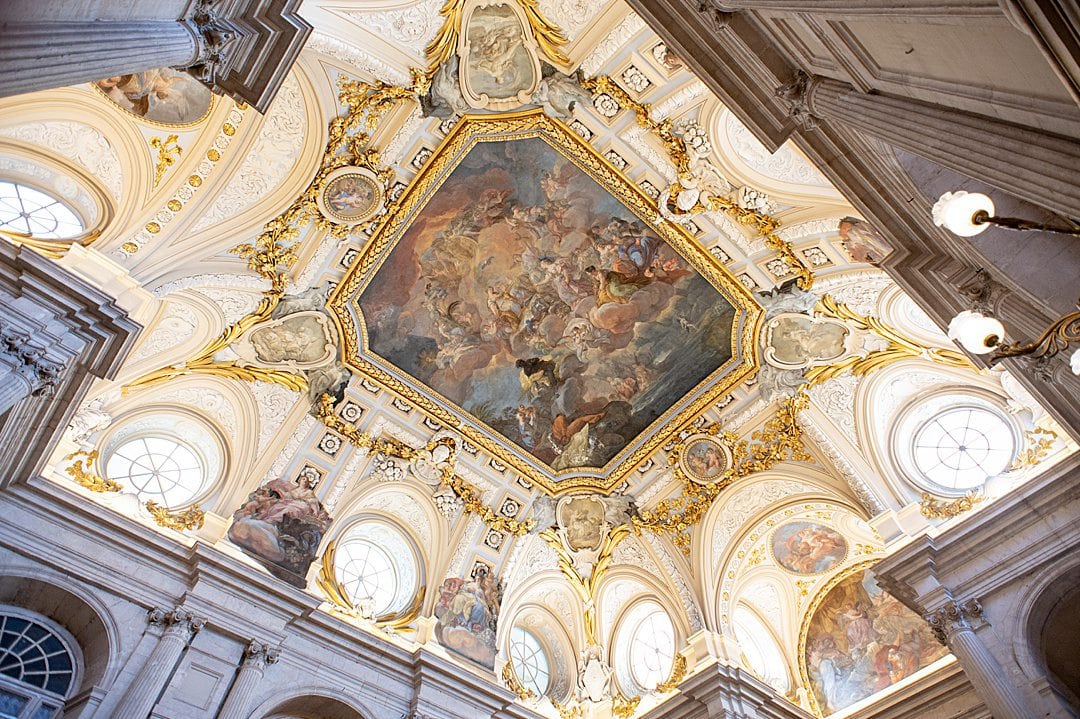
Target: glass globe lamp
(963,213)
(976,332)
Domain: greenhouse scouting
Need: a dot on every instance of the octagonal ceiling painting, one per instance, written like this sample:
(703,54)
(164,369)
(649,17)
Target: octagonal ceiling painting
(523,292)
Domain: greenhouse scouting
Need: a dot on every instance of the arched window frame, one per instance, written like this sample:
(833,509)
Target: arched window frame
(38,698)
(167,422)
(761,640)
(622,653)
(922,410)
(401,598)
(530,682)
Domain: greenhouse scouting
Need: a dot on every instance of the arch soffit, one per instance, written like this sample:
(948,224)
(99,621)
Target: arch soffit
(64,582)
(282,701)
(524,598)
(650,589)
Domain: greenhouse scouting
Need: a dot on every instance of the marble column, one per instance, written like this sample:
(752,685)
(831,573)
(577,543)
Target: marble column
(256,658)
(953,625)
(44,55)
(1036,166)
(853,8)
(154,675)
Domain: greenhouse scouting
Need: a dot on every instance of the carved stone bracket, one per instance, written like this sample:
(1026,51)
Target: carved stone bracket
(954,617)
(715,17)
(28,361)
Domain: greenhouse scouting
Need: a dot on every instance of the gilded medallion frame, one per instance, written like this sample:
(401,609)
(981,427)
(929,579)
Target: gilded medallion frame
(472,129)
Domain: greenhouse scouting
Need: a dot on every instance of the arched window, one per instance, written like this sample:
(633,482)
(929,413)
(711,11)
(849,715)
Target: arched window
(951,442)
(159,468)
(377,566)
(37,666)
(960,447)
(172,457)
(28,211)
(760,649)
(644,648)
(529,661)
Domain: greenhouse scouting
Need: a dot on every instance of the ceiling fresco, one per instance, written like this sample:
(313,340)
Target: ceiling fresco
(504,278)
(519,288)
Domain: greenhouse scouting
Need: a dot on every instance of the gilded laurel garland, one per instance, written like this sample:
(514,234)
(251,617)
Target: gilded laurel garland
(328,582)
(469,495)
(933,508)
(191,518)
(780,439)
(899,347)
(82,471)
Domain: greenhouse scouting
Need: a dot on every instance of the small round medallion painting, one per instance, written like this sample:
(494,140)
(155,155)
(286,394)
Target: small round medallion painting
(350,195)
(808,547)
(704,460)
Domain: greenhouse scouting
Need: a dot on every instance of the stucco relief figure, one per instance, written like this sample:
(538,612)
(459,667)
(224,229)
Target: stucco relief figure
(163,95)
(861,640)
(325,377)
(594,676)
(808,547)
(795,340)
(468,614)
(498,64)
(281,525)
(862,241)
(299,341)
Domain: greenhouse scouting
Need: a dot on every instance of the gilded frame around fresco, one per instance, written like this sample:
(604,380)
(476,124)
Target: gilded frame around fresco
(472,129)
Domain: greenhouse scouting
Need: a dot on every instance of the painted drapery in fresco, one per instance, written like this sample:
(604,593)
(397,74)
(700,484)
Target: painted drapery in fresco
(281,525)
(808,547)
(467,613)
(530,297)
(164,95)
(861,640)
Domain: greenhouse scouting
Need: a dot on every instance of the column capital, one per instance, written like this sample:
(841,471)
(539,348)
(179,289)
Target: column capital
(796,97)
(177,621)
(213,38)
(259,655)
(954,617)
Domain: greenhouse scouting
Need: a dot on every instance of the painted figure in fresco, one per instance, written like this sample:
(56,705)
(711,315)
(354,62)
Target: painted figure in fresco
(530,297)
(705,459)
(862,242)
(351,195)
(162,95)
(808,548)
(861,640)
(467,613)
(281,524)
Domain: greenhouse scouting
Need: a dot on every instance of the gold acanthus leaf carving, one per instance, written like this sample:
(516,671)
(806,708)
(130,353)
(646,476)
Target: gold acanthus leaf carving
(168,152)
(1038,442)
(510,681)
(82,471)
(328,583)
(780,439)
(191,518)
(900,347)
(933,508)
(469,495)
(678,673)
